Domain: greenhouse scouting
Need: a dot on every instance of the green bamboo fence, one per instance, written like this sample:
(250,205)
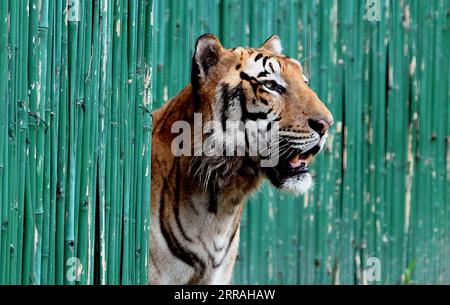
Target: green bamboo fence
(382,185)
(76,96)
(75,130)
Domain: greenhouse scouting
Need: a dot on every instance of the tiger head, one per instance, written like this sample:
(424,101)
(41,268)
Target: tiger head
(262,85)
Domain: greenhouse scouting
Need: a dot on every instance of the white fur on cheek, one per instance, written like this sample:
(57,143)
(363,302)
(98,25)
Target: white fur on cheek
(323,140)
(298,185)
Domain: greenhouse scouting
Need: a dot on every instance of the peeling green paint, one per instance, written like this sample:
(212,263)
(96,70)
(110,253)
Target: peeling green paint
(75,141)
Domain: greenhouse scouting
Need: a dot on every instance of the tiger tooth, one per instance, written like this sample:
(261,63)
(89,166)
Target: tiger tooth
(295,159)
(295,162)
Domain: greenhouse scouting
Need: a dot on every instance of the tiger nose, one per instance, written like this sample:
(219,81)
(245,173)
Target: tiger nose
(320,126)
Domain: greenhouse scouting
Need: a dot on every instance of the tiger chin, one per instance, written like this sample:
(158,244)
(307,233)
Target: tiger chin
(197,198)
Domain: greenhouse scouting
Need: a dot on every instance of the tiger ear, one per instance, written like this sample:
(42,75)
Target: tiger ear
(273,44)
(207,52)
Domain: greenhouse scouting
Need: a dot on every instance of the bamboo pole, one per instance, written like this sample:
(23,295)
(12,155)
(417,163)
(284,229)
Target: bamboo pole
(147,106)
(43,207)
(85,123)
(94,73)
(53,120)
(105,87)
(25,217)
(4,139)
(11,260)
(130,206)
(62,145)
(126,79)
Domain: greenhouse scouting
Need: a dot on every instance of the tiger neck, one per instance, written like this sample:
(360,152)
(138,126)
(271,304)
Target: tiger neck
(226,181)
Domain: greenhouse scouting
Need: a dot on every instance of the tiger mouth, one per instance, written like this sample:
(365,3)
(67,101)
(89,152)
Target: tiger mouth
(299,160)
(294,164)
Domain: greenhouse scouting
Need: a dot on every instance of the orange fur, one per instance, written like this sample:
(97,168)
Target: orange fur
(191,225)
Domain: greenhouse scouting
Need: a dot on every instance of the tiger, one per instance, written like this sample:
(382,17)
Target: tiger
(197,200)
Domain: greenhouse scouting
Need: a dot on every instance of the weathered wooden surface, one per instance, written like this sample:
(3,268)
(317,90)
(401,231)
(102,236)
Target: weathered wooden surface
(75,130)
(382,186)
